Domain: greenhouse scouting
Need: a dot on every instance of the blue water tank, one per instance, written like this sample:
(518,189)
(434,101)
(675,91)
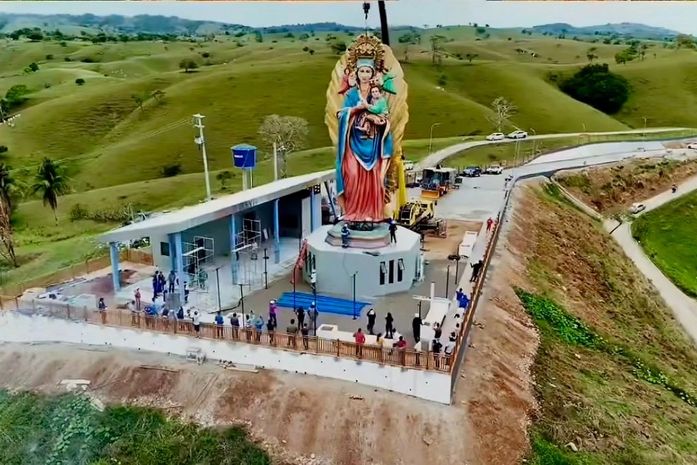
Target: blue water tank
(244,156)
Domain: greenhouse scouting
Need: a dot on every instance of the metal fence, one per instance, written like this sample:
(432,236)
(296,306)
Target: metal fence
(281,340)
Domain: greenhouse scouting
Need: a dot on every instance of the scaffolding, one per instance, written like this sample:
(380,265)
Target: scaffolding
(247,244)
(198,255)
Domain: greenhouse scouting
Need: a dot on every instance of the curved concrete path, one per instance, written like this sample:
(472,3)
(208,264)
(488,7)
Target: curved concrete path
(684,307)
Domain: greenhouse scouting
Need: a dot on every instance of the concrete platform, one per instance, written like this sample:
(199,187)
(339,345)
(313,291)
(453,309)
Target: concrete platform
(378,271)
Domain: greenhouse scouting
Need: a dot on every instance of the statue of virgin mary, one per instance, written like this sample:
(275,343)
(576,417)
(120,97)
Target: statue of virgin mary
(366,115)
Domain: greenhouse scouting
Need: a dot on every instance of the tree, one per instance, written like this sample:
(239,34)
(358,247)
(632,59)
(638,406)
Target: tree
(503,110)
(51,182)
(10,189)
(187,64)
(139,100)
(470,57)
(79,81)
(437,49)
(35,36)
(287,132)
(338,47)
(224,178)
(158,95)
(591,56)
(596,86)
(7,234)
(32,68)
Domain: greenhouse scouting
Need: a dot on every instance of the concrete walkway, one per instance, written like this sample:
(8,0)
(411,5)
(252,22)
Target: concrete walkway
(684,307)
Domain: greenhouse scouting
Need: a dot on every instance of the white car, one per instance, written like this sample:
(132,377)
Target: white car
(496,136)
(692,146)
(636,208)
(517,135)
(494,169)
(408,165)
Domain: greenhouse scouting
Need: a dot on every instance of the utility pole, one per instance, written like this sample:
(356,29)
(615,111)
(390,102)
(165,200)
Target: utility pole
(430,137)
(201,142)
(275,162)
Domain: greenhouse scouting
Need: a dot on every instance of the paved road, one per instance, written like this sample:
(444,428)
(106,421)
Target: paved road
(440,155)
(684,307)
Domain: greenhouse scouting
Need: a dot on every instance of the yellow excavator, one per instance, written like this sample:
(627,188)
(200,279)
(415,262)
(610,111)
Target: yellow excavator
(416,212)
(436,182)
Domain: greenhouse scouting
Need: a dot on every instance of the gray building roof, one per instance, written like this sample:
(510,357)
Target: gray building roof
(195,215)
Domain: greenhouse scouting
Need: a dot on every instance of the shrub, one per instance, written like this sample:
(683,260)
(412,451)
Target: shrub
(49,56)
(596,86)
(88,60)
(169,171)
(33,67)
(79,81)
(67,59)
(205,55)
(78,212)
(3,149)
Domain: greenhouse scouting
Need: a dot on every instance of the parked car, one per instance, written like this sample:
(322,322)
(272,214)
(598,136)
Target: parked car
(637,208)
(408,165)
(496,136)
(472,171)
(517,135)
(692,146)
(494,169)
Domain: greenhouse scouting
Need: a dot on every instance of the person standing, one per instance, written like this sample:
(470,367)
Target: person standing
(259,327)
(155,286)
(273,309)
(248,327)
(360,341)
(271,328)
(305,331)
(171,279)
(291,331)
(459,294)
(371,320)
(101,305)
(489,223)
(437,331)
(476,268)
(389,326)
(196,320)
(137,297)
(393,232)
(235,323)
(219,325)
(416,327)
(436,348)
(313,314)
(300,312)
(161,282)
(345,234)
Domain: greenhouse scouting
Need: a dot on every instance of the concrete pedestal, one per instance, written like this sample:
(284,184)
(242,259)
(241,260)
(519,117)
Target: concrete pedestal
(379,269)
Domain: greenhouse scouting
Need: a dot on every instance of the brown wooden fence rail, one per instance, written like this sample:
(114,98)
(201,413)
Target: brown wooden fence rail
(74,271)
(279,339)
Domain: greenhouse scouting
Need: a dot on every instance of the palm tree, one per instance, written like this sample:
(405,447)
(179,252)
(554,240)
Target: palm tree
(51,183)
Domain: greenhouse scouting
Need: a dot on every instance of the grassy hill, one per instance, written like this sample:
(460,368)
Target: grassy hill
(667,236)
(113,147)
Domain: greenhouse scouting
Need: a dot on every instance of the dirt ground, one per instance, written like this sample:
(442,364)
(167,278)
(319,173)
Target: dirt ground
(309,420)
(615,188)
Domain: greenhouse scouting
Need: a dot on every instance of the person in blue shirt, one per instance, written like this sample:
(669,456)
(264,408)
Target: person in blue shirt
(259,326)
(219,325)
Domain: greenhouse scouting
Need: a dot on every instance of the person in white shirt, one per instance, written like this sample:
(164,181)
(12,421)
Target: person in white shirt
(197,323)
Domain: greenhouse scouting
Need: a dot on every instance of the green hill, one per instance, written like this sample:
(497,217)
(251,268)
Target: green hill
(112,146)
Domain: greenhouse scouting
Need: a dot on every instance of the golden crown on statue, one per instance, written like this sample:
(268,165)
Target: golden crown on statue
(366,47)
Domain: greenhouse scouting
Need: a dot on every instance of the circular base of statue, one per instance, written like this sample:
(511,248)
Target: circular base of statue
(361,235)
(381,268)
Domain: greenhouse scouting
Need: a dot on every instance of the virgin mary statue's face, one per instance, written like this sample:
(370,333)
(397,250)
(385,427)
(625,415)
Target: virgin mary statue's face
(364,74)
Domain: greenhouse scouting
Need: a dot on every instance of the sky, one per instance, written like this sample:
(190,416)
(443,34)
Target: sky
(679,16)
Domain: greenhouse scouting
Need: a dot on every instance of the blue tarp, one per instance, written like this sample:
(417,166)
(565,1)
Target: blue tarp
(325,304)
